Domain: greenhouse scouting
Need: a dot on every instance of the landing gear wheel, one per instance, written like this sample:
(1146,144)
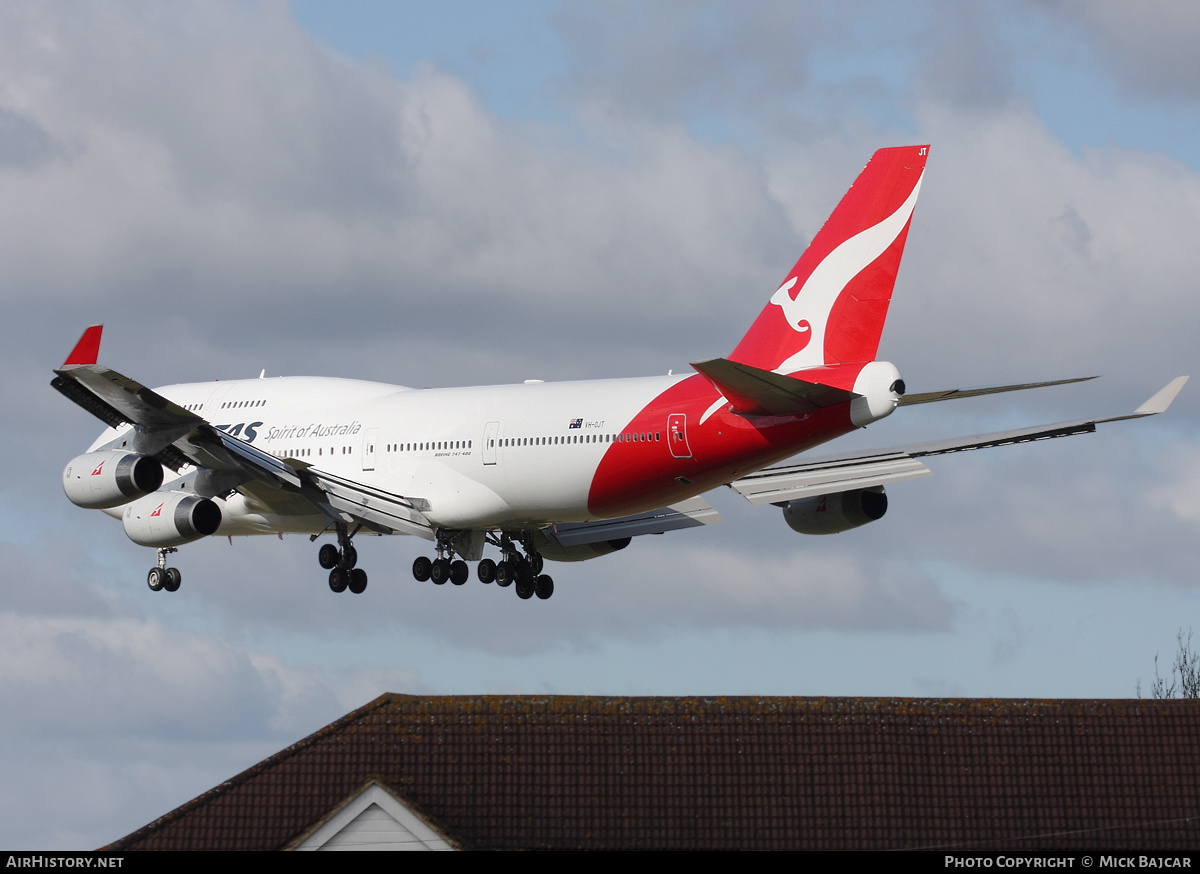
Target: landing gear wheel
(459,572)
(525,587)
(358,581)
(156,579)
(504,574)
(328,556)
(535,563)
(544,586)
(422,568)
(174,578)
(339,579)
(349,557)
(486,571)
(440,572)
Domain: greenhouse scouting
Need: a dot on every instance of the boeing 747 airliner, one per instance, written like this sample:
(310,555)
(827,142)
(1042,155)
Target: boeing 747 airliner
(559,471)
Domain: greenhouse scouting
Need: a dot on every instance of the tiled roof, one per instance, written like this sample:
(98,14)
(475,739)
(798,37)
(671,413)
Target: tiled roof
(756,773)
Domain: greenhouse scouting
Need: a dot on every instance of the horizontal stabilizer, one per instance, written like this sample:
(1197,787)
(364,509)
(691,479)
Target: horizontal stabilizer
(691,513)
(930,397)
(756,392)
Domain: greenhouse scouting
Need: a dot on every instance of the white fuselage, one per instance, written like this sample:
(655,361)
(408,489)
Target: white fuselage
(479,457)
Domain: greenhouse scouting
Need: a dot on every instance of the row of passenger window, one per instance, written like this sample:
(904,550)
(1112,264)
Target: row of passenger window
(237,405)
(228,405)
(307,452)
(507,442)
(646,437)
(430,446)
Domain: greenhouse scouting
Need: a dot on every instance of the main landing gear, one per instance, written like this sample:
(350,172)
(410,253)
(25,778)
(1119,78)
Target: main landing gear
(163,577)
(524,570)
(340,561)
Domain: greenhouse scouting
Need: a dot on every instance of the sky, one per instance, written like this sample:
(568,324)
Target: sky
(472,193)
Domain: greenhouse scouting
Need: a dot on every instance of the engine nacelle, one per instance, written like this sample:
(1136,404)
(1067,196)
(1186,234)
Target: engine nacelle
(551,549)
(170,518)
(831,514)
(100,480)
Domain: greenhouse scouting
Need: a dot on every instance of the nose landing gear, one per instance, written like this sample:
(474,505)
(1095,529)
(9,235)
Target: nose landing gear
(162,577)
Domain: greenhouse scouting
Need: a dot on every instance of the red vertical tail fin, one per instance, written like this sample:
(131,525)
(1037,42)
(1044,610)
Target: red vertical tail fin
(831,307)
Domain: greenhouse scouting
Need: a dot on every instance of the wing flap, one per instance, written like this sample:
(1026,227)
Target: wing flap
(130,399)
(778,484)
(382,511)
(691,513)
(243,455)
(883,466)
(76,393)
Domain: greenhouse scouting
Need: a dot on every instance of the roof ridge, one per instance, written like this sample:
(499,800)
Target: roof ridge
(266,764)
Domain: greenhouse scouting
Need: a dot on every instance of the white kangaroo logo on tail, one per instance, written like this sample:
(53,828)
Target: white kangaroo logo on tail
(808,312)
(792,308)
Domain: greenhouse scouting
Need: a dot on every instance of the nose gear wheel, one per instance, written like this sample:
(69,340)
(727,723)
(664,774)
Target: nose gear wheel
(163,578)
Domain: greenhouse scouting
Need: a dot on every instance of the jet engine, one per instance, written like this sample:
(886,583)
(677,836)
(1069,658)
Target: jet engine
(831,514)
(100,480)
(551,549)
(170,518)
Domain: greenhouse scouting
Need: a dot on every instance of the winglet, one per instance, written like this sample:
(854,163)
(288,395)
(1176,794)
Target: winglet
(1162,400)
(87,350)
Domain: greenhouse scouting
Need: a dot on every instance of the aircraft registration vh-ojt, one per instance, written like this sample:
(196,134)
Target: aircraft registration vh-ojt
(560,471)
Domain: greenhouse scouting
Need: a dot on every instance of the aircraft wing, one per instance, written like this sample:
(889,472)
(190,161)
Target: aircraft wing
(686,514)
(176,437)
(885,466)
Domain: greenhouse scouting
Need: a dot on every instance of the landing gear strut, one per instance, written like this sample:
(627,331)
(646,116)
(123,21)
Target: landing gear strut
(340,561)
(163,577)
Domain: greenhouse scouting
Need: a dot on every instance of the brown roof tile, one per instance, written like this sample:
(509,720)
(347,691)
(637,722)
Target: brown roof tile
(757,773)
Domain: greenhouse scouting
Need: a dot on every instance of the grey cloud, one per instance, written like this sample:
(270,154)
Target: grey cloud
(665,59)
(95,677)
(159,215)
(963,60)
(1149,47)
(1003,281)
(23,142)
